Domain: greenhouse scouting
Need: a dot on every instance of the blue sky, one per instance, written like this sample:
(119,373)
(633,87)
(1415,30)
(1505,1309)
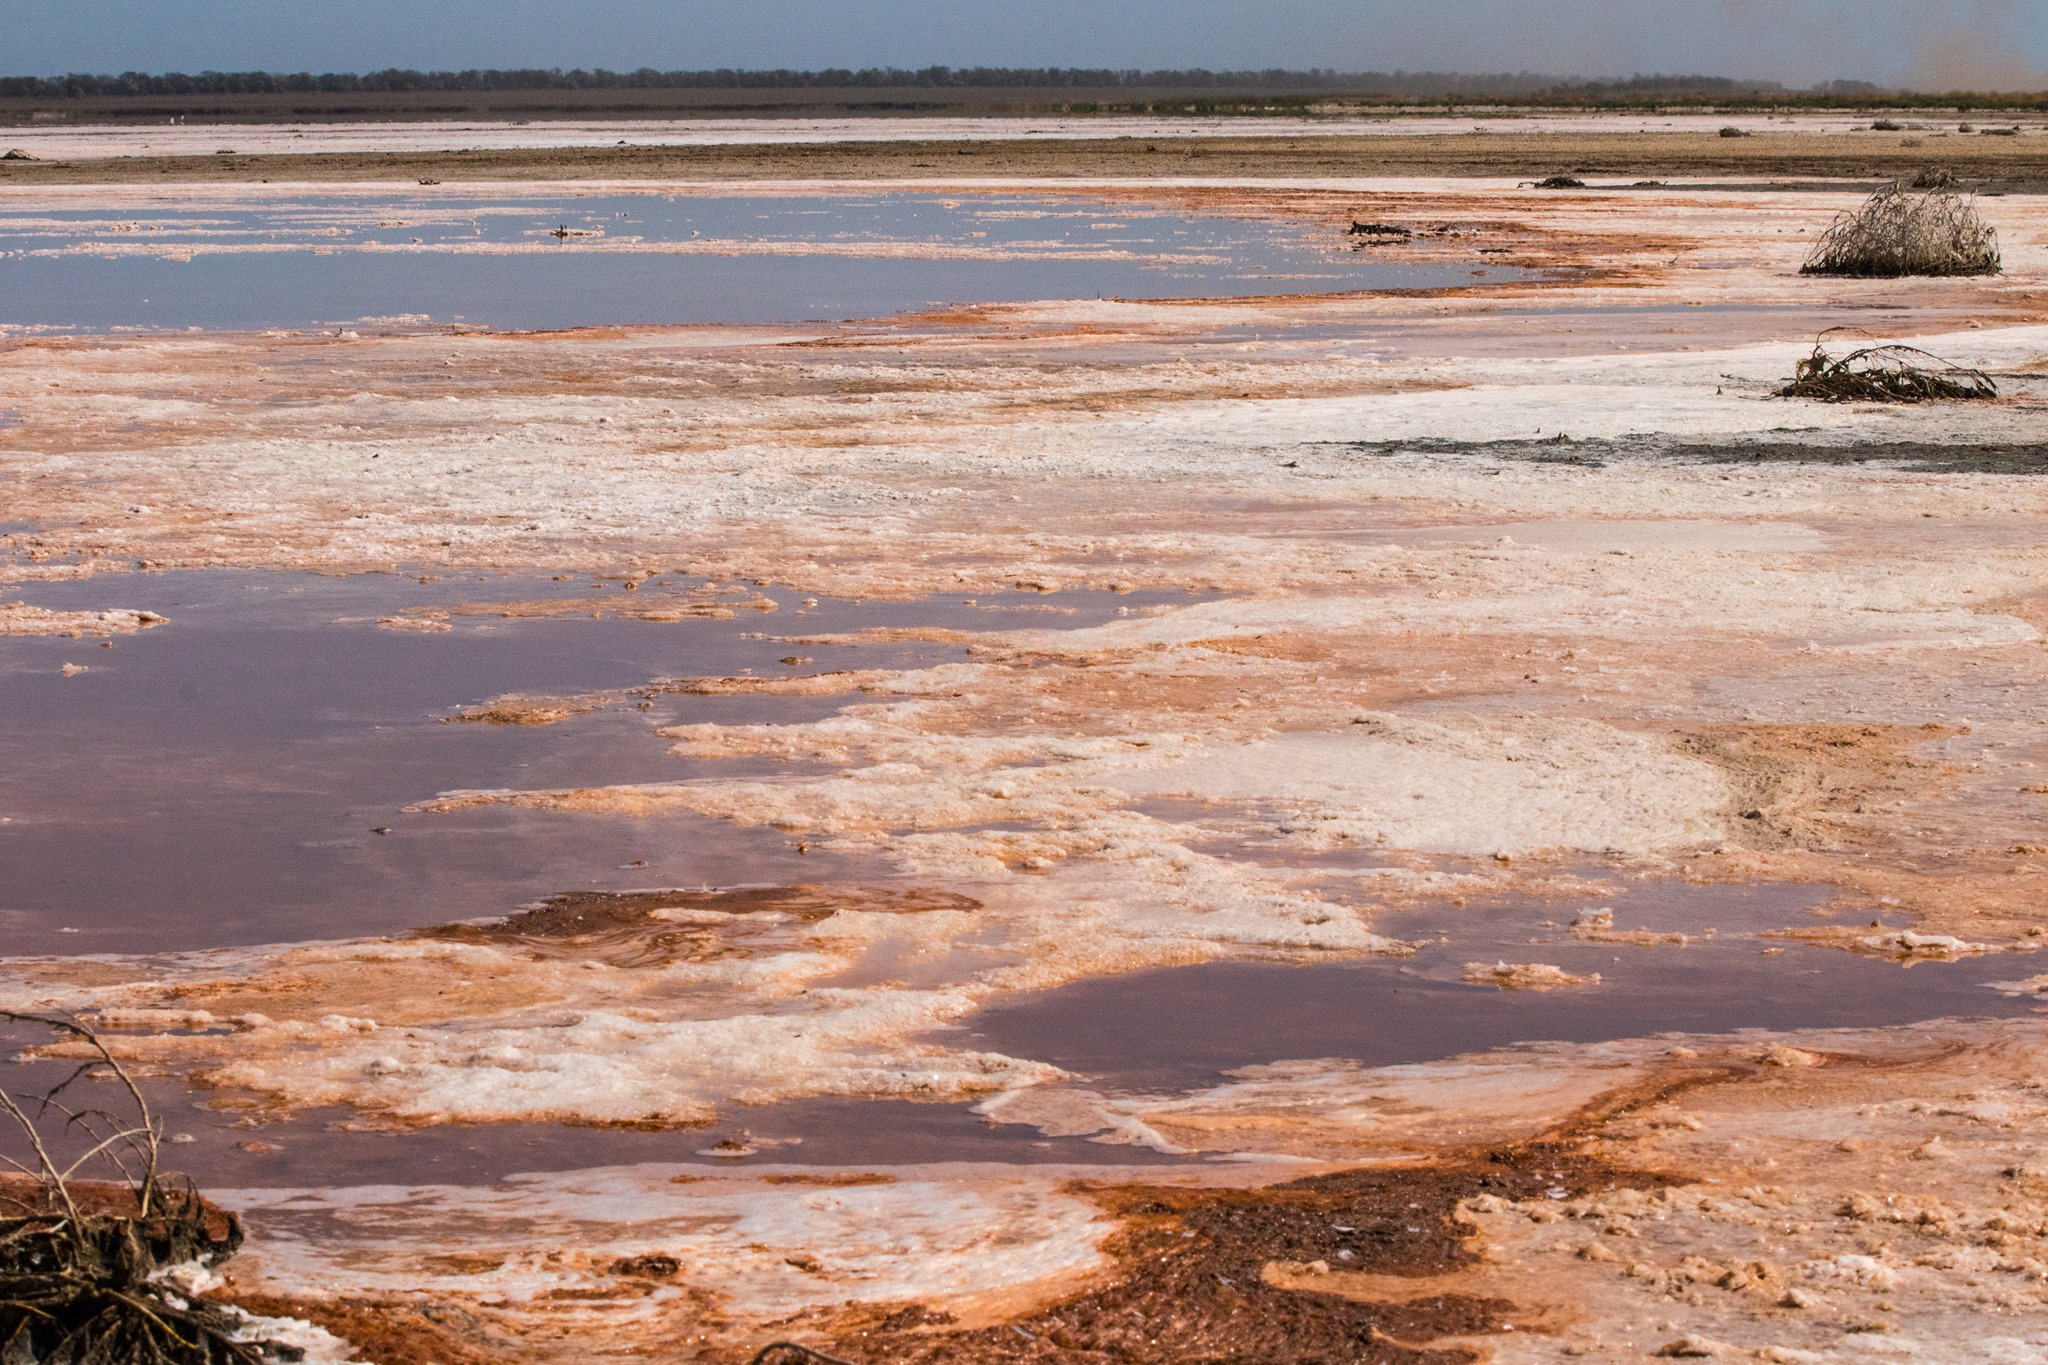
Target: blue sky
(1946,43)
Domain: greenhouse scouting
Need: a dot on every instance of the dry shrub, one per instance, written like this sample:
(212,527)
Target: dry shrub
(84,1262)
(1900,231)
(1561,182)
(1884,374)
(1935,178)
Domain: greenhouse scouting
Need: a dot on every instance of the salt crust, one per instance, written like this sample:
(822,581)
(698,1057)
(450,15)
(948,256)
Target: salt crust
(1076,884)
(439,1032)
(1390,782)
(480,1033)
(18,618)
(765,1249)
(1381,780)
(897,498)
(317,1345)
(474,472)
(1811,1199)
(1524,976)
(1045,829)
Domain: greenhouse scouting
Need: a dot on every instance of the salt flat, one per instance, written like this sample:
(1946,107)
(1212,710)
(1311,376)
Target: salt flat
(1528,589)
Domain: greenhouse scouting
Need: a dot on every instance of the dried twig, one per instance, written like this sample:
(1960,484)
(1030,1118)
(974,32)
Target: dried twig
(84,1266)
(1883,374)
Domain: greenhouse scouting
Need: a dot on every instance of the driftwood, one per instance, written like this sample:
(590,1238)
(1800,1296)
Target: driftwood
(88,1267)
(1884,374)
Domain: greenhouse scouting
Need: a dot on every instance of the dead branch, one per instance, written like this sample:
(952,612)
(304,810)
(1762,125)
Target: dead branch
(1884,374)
(88,1269)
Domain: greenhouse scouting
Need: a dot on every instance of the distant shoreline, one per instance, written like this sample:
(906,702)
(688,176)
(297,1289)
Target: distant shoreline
(241,98)
(1998,164)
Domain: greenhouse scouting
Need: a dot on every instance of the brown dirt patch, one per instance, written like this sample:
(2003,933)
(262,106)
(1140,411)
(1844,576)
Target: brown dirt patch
(1812,786)
(1195,1279)
(1222,1275)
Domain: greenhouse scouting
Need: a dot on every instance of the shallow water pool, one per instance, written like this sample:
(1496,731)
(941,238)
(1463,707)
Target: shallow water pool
(548,261)
(220,779)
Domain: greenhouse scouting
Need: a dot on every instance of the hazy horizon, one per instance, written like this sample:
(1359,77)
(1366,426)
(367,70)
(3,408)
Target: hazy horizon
(1946,44)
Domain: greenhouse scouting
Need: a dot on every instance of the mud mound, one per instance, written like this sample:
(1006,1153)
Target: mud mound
(646,928)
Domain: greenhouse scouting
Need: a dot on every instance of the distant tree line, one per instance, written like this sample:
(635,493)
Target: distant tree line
(1071,89)
(1397,84)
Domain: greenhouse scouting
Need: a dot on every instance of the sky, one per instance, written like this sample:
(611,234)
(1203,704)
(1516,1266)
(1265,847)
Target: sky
(1932,44)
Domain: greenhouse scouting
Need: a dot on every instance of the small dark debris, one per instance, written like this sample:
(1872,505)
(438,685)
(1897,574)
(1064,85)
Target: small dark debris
(1732,131)
(790,1353)
(653,1266)
(1561,182)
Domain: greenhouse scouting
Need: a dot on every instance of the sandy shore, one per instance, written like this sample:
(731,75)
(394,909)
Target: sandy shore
(1533,589)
